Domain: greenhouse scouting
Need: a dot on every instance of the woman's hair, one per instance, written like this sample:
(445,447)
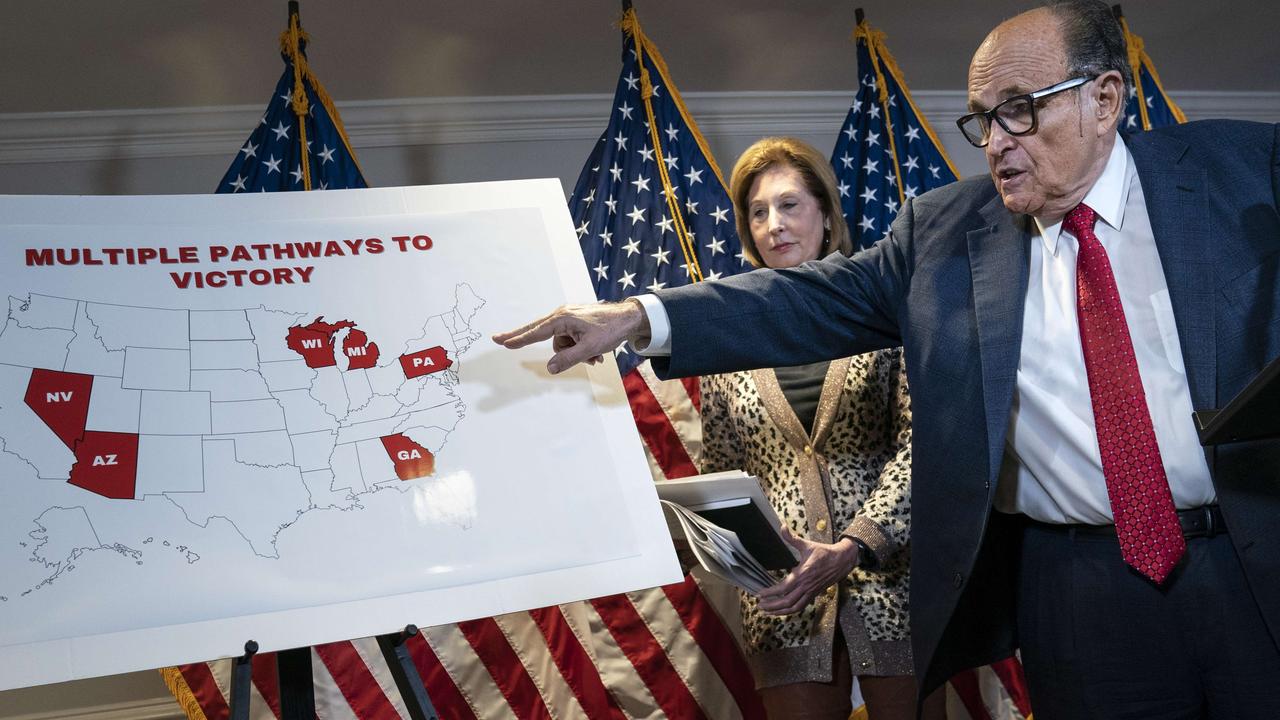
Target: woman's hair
(819,180)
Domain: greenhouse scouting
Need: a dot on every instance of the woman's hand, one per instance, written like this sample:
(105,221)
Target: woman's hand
(821,566)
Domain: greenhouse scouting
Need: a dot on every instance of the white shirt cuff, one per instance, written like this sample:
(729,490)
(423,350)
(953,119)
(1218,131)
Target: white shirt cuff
(659,327)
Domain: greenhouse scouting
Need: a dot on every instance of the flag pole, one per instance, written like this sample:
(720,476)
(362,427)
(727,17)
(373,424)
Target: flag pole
(858,16)
(291,42)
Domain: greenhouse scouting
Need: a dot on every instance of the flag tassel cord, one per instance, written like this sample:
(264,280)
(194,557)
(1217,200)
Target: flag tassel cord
(874,39)
(880,54)
(631,26)
(1137,58)
(292,42)
(1134,45)
(632,21)
(673,206)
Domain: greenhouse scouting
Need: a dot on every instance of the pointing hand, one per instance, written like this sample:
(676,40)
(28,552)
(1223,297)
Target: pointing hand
(581,333)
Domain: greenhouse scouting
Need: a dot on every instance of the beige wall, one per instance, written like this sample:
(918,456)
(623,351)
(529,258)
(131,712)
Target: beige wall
(132,96)
(77,55)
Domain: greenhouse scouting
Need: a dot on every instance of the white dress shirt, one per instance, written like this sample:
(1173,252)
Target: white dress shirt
(1052,469)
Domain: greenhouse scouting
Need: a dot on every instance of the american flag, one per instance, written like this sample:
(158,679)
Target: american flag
(1148,105)
(886,153)
(285,154)
(651,207)
(651,210)
(650,654)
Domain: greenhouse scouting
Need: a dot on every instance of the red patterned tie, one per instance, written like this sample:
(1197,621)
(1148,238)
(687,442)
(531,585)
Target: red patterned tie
(1146,521)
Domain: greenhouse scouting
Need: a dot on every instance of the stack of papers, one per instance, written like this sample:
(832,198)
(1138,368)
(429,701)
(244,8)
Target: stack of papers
(720,552)
(732,530)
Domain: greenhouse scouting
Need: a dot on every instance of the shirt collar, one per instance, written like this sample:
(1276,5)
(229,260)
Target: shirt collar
(1107,197)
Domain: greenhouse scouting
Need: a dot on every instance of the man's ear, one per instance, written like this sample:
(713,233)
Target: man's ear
(1109,100)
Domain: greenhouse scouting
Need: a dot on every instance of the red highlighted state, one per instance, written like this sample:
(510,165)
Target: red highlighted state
(314,342)
(107,464)
(412,461)
(361,354)
(61,400)
(425,362)
(319,325)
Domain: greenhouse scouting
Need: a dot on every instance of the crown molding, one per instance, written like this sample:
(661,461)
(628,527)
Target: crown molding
(161,708)
(202,131)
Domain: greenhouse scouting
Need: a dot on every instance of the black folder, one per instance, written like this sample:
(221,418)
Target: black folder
(757,535)
(1253,414)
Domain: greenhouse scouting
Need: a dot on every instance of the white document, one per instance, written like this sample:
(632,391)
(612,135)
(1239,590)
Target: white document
(720,550)
(279,417)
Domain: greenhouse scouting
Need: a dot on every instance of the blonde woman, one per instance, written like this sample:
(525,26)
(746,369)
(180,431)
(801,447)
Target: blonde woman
(831,445)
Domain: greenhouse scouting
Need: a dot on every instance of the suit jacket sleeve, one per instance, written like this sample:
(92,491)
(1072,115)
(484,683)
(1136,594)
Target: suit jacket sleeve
(825,309)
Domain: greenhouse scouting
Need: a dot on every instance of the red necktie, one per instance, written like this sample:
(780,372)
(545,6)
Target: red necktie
(1146,521)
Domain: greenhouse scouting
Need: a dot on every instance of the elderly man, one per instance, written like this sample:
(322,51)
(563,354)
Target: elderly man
(1060,321)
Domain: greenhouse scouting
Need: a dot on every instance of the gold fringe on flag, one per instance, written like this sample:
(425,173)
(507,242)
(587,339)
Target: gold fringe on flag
(644,47)
(182,693)
(880,53)
(1137,58)
(291,44)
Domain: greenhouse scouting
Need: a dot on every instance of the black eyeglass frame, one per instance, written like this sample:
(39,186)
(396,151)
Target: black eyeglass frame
(1030,98)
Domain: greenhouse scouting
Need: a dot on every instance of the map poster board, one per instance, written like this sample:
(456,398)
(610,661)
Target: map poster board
(279,417)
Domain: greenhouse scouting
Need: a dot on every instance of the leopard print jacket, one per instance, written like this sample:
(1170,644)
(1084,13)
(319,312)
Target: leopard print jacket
(851,477)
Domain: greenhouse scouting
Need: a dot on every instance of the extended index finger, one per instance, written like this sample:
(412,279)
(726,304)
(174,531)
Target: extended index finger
(536,331)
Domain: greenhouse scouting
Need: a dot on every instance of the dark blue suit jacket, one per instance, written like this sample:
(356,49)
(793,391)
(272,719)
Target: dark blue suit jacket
(949,285)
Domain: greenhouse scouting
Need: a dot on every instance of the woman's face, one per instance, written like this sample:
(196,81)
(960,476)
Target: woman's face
(786,220)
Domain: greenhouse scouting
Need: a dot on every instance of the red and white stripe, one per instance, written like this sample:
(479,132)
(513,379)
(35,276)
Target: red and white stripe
(659,653)
(667,415)
(625,656)
(991,692)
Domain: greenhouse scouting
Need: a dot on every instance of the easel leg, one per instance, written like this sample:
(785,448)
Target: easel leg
(408,681)
(241,681)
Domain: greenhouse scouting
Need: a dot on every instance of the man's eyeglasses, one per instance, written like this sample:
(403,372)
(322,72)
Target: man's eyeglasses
(1017,115)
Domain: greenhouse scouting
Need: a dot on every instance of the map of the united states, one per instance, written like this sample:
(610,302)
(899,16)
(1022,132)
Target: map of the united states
(253,417)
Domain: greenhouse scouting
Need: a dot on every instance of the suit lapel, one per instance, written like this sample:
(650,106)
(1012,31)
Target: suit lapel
(1178,205)
(998,257)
